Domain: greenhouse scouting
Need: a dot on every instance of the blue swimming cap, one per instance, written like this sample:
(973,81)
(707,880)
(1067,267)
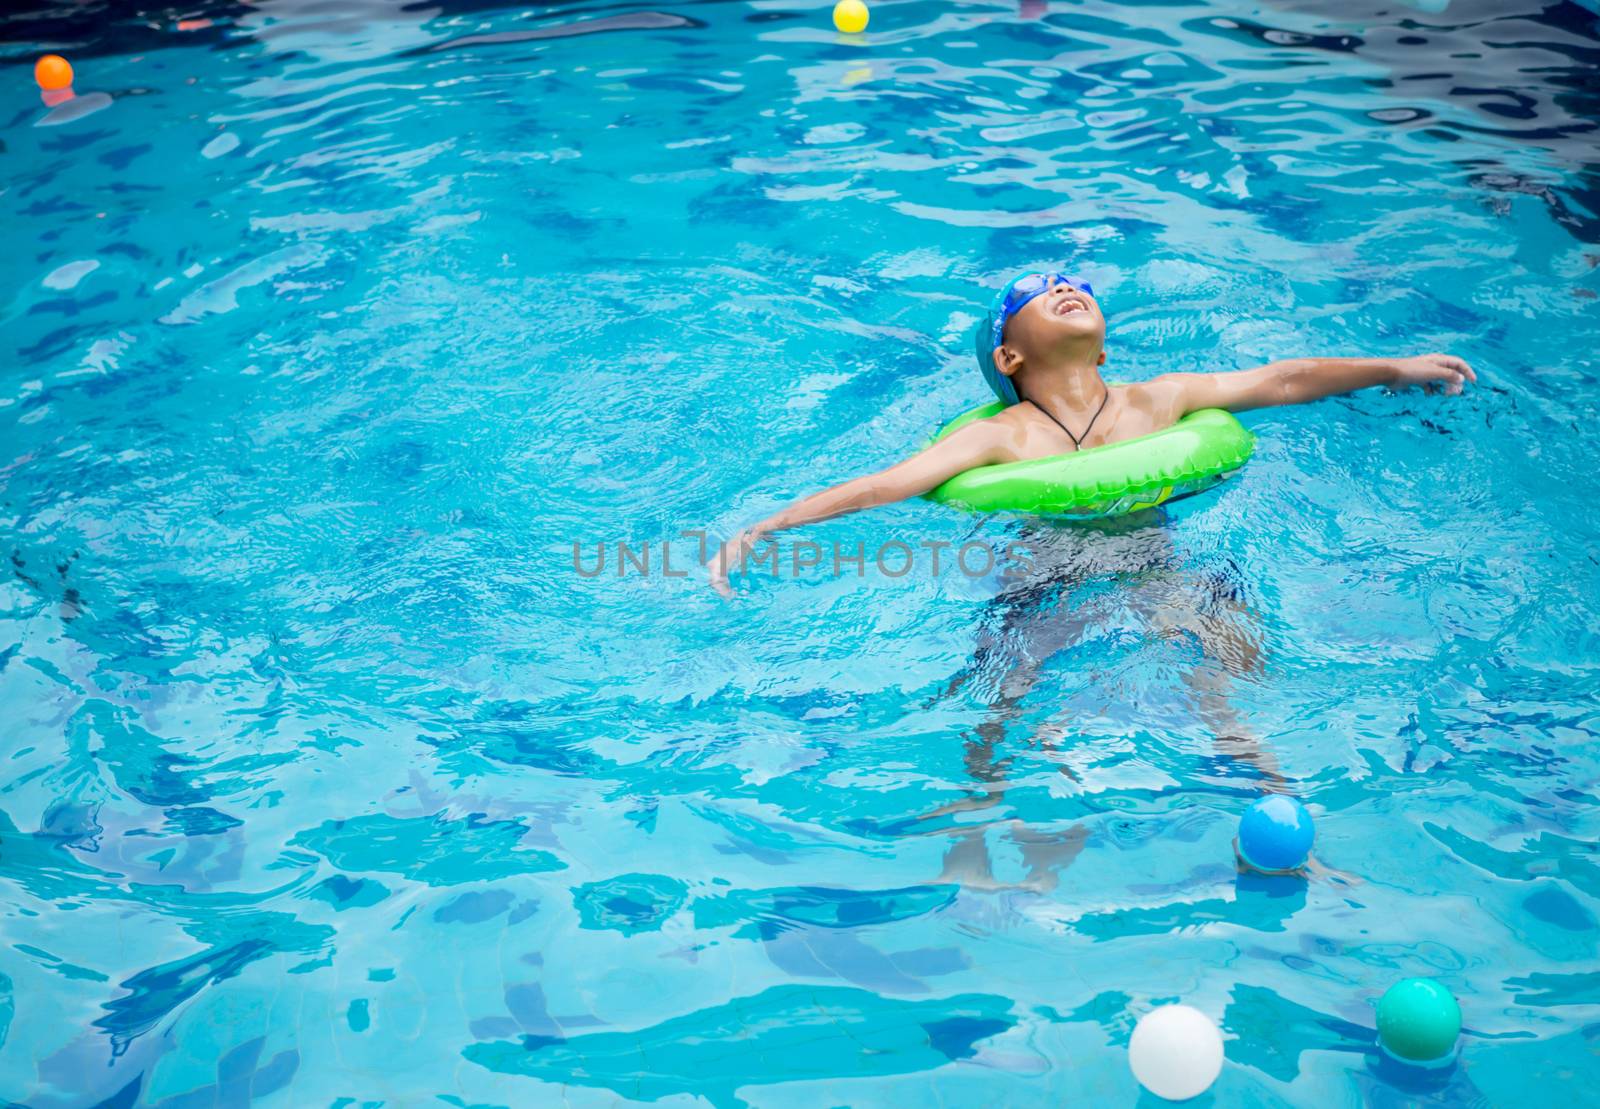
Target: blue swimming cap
(990,332)
(983,346)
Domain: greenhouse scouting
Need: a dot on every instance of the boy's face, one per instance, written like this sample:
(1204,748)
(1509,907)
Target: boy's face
(1060,317)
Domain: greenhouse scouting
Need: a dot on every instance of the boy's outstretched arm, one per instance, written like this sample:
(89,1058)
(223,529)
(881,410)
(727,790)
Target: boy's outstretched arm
(977,444)
(1298,380)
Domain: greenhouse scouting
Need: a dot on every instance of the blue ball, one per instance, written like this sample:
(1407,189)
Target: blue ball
(1276,833)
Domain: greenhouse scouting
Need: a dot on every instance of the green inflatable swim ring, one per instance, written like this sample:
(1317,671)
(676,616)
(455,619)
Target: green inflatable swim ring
(1191,456)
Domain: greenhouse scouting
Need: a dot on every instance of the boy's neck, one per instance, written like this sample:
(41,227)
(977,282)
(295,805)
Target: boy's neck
(1065,385)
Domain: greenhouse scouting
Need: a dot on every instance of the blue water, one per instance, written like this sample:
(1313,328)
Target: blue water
(330,779)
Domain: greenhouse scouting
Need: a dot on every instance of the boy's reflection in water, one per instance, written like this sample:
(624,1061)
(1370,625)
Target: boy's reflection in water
(1083,578)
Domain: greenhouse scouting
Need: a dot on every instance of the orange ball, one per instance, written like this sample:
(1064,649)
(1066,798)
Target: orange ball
(52,72)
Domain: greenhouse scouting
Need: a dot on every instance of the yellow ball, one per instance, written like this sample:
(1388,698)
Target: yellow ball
(850,16)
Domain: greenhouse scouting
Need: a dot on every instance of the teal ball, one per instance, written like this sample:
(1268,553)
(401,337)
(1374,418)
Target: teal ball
(1418,1021)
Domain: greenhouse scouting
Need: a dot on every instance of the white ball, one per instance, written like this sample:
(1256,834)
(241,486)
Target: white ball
(1175,1052)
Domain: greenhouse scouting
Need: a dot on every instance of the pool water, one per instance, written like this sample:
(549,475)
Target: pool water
(344,344)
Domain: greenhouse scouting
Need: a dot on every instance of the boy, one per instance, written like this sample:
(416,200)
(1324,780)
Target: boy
(1041,348)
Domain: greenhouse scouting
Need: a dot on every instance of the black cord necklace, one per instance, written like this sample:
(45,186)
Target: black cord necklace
(1077,440)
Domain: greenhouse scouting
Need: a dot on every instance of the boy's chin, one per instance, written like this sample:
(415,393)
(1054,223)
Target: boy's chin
(1077,332)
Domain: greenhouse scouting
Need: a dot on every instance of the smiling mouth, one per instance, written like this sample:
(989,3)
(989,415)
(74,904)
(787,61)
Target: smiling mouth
(1067,306)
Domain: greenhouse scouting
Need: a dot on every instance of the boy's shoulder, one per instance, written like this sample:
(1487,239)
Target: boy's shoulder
(1159,397)
(1153,393)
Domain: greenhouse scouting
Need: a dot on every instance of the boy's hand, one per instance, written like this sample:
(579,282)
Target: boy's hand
(732,552)
(1433,372)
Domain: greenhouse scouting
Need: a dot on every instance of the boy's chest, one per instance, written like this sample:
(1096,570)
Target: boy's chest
(1040,438)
